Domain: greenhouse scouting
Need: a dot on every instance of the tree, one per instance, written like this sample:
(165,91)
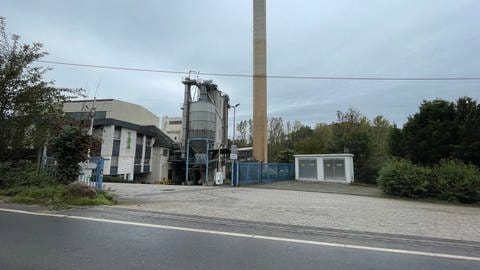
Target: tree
(285,156)
(440,130)
(396,145)
(70,148)
(276,137)
(428,135)
(352,134)
(467,119)
(30,108)
(243,129)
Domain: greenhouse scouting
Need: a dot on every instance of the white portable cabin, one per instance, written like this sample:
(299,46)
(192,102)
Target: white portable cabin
(324,167)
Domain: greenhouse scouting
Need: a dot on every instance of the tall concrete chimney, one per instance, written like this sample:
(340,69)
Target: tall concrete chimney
(260,143)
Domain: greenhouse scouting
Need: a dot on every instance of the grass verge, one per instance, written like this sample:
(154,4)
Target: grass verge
(53,196)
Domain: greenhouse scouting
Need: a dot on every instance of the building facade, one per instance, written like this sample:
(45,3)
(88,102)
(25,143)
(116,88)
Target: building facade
(172,126)
(133,146)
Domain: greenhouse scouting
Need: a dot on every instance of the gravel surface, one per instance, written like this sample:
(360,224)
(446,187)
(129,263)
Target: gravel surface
(326,210)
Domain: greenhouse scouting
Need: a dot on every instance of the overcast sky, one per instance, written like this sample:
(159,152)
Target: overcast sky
(311,37)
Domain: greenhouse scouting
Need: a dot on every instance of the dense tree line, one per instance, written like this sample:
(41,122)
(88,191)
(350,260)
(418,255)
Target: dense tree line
(440,130)
(351,132)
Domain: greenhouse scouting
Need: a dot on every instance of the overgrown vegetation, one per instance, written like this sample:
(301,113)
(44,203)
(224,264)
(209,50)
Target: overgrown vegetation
(450,180)
(22,173)
(30,107)
(31,112)
(443,138)
(20,182)
(70,148)
(53,196)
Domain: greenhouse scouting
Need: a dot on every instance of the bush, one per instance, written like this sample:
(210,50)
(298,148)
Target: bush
(114,179)
(70,148)
(453,180)
(22,173)
(54,196)
(402,178)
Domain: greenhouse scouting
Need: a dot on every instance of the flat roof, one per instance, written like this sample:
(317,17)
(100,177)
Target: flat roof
(90,100)
(325,155)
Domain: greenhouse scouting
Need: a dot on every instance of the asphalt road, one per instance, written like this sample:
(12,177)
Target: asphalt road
(62,242)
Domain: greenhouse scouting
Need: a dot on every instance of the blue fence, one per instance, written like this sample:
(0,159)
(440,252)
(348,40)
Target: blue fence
(256,173)
(91,171)
(49,166)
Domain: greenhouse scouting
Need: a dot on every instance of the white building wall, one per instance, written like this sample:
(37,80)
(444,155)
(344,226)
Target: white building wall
(159,166)
(127,152)
(107,145)
(173,130)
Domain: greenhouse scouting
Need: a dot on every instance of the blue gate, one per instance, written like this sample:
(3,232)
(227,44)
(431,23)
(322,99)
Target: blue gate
(91,172)
(256,173)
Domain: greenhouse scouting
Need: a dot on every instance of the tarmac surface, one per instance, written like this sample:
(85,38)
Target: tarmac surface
(32,237)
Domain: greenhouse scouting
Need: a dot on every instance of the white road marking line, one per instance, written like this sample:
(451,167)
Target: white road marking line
(253,236)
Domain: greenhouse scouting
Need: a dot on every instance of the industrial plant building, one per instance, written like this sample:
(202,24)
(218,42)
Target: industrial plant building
(204,131)
(133,146)
(172,126)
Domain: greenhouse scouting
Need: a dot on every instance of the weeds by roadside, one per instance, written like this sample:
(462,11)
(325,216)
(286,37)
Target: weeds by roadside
(53,196)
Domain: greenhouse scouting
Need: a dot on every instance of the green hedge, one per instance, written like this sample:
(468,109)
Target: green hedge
(448,180)
(455,181)
(402,178)
(114,179)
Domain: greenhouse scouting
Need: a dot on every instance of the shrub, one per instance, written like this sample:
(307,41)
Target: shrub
(114,179)
(70,148)
(402,178)
(22,173)
(55,196)
(453,180)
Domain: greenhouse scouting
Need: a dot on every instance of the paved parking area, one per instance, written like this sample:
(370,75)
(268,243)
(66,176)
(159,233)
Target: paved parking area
(337,211)
(324,187)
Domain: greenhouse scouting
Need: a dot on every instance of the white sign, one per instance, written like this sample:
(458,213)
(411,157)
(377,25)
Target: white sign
(233,156)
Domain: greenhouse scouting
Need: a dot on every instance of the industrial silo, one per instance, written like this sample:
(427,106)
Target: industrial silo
(202,124)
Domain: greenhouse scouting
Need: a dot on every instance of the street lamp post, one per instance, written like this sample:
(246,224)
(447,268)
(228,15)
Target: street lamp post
(234,110)
(234,161)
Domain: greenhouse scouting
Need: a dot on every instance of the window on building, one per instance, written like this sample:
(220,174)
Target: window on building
(146,161)
(114,161)
(117,133)
(148,141)
(138,160)
(165,152)
(139,139)
(175,122)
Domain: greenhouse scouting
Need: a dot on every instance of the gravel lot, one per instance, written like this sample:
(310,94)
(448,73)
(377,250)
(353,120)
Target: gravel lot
(326,210)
